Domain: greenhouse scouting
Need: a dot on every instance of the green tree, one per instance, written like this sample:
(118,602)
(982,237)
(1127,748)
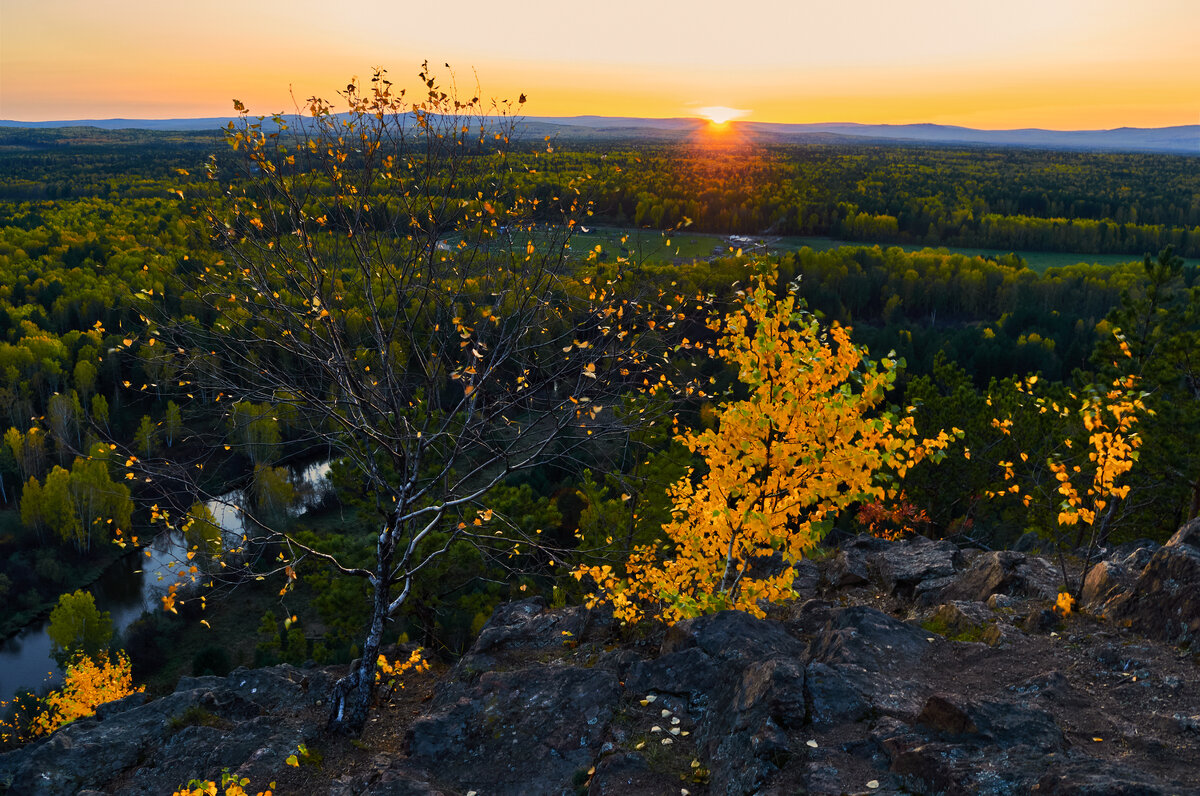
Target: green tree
(99,410)
(269,649)
(14,443)
(1157,337)
(32,515)
(146,436)
(172,422)
(58,507)
(297,646)
(77,626)
(102,506)
(10,475)
(64,416)
(84,377)
(256,429)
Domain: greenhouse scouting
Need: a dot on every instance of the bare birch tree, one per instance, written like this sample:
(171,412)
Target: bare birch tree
(384,288)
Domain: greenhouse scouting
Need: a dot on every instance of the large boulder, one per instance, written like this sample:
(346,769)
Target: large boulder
(1188,534)
(386,776)
(867,637)
(526,624)
(834,696)
(852,564)
(871,654)
(903,566)
(627,774)
(1004,572)
(848,568)
(1106,778)
(1104,581)
(1164,603)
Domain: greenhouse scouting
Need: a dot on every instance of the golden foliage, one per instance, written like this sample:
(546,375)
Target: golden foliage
(416,663)
(88,683)
(805,444)
(1108,420)
(231,785)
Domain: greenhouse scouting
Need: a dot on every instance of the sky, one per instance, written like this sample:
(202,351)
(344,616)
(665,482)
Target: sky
(1057,64)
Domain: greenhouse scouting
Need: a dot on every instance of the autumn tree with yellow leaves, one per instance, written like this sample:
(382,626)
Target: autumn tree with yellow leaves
(87,683)
(1099,447)
(810,439)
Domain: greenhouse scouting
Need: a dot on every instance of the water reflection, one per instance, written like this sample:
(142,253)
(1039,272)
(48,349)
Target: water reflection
(135,584)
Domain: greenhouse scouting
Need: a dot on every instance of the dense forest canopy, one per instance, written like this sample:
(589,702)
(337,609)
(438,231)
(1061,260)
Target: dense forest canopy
(94,226)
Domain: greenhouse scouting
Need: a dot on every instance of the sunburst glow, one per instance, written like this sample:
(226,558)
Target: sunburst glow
(719,114)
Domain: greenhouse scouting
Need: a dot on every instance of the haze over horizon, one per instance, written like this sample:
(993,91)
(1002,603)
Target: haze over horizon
(1070,65)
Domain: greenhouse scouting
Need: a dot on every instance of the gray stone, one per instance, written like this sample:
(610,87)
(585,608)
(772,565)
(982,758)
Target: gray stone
(848,568)
(1188,534)
(867,637)
(1164,603)
(962,616)
(1139,558)
(387,777)
(833,697)
(733,636)
(999,602)
(1106,778)
(627,774)
(1104,581)
(946,714)
(528,625)
(808,577)
(902,566)
(516,732)
(1004,572)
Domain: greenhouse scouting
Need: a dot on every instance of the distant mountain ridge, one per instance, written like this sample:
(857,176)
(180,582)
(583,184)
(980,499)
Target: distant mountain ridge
(1182,139)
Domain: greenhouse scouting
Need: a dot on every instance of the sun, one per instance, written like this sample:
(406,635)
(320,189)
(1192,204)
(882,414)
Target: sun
(719,114)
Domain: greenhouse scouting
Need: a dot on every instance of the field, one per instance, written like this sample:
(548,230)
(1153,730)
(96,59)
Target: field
(650,245)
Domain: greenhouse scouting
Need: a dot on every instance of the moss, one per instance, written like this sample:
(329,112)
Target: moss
(970,633)
(195,716)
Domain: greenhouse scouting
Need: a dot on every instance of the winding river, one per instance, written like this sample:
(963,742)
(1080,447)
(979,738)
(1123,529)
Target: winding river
(134,584)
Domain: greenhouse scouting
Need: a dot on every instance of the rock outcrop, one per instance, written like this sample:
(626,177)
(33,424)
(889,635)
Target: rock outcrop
(140,746)
(1164,603)
(908,667)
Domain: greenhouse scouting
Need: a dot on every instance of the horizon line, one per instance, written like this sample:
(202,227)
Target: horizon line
(550,119)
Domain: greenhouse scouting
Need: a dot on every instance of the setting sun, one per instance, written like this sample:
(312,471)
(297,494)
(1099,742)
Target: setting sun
(719,114)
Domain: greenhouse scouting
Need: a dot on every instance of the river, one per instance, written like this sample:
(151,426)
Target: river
(134,584)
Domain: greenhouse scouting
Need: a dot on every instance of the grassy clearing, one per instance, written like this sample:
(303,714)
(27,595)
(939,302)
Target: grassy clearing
(651,246)
(1038,261)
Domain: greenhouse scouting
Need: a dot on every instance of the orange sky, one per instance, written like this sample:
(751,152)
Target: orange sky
(1063,64)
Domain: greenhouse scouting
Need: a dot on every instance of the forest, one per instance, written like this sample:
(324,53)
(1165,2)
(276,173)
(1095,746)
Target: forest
(523,410)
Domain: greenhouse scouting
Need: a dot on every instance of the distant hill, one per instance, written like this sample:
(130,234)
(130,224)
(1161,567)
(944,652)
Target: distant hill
(209,123)
(1184,139)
